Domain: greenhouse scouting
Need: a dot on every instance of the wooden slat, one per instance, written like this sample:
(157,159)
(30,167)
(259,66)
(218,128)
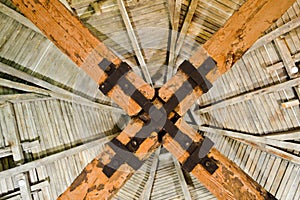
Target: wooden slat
(251,95)
(263,143)
(134,41)
(149,184)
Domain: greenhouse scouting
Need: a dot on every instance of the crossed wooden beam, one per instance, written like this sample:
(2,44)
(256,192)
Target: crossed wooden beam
(157,115)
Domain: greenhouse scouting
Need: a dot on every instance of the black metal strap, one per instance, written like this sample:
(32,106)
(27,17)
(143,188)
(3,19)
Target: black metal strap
(115,74)
(122,155)
(198,75)
(196,78)
(199,156)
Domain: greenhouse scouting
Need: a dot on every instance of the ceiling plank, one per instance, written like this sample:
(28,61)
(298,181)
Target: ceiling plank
(288,135)
(263,147)
(134,42)
(54,91)
(175,17)
(52,158)
(184,187)
(250,95)
(149,184)
(183,32)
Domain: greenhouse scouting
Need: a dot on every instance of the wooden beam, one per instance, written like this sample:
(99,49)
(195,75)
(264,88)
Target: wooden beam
(290,103)
(175,17)
(289,135)
(251,95)
(33,188)
(149,184)
(183,32)
(228,181)
(252,138)
(11,132)
(228,45)
(261,146)
(67,32)
(24,185)
(4,152)
(285,55)
(184,187)
(134,41)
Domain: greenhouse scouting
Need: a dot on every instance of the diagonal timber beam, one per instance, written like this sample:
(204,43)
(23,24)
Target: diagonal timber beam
(227,45)
(81,46)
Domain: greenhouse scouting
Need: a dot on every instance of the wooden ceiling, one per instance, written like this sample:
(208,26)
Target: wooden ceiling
(252,113)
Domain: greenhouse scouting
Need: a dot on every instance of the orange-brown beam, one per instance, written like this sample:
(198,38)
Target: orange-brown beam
(93,183)
(228,181)
(67,32)
(228,44)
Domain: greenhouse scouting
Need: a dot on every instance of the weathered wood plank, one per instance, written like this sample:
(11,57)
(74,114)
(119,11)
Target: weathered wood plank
(11,134)
(149,184)
(134,41)
(251,95)
(49,159)
(251,138)
(184,187)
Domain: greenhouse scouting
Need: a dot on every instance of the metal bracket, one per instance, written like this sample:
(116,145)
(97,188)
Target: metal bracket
(114,75)
(123,155)
(198,75)
(199,156)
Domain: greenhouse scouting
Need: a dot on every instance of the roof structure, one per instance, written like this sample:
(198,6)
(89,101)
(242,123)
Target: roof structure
(54,120)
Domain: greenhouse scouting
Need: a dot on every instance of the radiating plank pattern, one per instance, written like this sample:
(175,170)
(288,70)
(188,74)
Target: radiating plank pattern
(259,68)
(277,175)
(36,55)
(52,130)
(166,184)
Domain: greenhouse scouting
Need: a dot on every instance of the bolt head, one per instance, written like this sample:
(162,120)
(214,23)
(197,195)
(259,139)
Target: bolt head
(294,70)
